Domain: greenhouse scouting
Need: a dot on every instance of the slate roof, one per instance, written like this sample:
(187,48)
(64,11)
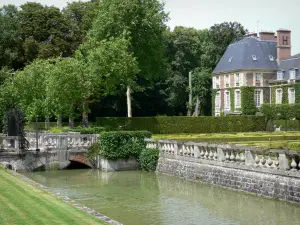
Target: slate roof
(241,53)
(292,62)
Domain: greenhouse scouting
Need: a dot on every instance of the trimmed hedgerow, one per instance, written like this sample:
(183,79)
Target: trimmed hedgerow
(148,159)
(183,124)
(122,144)
(247,101)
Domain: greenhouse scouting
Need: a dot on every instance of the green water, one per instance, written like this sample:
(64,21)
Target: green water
(141,198)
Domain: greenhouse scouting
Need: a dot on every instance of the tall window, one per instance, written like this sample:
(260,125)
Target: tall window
(257,79)
(278,96)
(227,80)
(237,97)
(217,100)
(227,100)
(292,74)
(258,97)
(217,82)
(237,79)
(291,96)
(279,75)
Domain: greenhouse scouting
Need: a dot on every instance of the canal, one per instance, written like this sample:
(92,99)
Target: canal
(141,198)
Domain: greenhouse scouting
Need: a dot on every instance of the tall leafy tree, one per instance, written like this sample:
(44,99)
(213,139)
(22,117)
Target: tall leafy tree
(140,22)
(10,37)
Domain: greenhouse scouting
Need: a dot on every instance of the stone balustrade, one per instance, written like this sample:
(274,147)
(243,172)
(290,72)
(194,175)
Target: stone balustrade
(273,161)
(51,141)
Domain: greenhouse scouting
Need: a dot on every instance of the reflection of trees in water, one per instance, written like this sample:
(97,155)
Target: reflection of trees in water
(229,204)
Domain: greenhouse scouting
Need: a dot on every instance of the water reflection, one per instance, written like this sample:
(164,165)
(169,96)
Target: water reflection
(138,198)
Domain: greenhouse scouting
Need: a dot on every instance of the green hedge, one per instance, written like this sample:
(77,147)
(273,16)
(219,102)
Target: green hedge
(182,124)
(291,125)
(122,144)
(148,159)
(281,111)
(89,130)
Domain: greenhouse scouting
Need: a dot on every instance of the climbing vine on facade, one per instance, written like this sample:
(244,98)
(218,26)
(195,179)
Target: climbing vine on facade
(247,101)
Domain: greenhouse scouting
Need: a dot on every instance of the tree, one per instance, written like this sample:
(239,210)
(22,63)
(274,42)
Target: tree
(142,23)
(10,37)
(184,56)
(201,88)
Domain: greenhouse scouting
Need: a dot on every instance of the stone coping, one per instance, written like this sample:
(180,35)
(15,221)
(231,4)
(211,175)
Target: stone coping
(69,201)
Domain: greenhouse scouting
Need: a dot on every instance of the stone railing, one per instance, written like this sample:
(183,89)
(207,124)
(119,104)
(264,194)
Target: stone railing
(274,161)
(51,141)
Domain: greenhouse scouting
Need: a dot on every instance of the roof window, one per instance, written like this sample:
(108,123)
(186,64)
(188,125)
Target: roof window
(254,57)
(230,59)
(271,58)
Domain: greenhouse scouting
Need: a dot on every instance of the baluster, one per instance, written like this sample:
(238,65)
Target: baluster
(237,157)
(263,160)
(216,155)
(276,162)
(232,158)
(211,155)
(192,150)
(256,160)
(293,164)
(242,158)
(206,154)
(269,161)
(202,152)
(227,157)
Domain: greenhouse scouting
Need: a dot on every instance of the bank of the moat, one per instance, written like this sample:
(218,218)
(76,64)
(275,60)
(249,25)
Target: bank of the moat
(142,198)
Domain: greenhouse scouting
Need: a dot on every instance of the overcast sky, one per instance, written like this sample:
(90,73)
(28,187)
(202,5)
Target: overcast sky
(255,15)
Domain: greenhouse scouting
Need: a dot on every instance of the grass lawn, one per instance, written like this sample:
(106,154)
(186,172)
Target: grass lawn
(23,203)
(288,139)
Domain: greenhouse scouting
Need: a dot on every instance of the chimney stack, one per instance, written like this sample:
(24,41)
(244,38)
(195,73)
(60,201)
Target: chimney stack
(267,36)
(251,35)
(283,44)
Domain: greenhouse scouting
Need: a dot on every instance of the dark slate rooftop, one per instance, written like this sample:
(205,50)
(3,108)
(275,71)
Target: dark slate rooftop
(242,52)
(291,63)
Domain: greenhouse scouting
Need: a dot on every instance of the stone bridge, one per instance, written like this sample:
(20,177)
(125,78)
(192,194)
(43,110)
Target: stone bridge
(55,151)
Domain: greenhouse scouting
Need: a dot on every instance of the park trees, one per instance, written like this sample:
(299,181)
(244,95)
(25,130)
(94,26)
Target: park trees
(142,23)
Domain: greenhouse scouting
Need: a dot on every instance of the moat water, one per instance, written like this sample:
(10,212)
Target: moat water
(142,198)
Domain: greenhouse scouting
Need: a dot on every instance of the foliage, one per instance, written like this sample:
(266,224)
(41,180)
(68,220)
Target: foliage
(93,152)
(280,111)
(172,124)
(148,159)
(247,101)
(122,144)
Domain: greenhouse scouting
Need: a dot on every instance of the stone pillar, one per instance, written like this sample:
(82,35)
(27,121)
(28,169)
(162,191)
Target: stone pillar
(196,152)
(283,161)
(221,154)
(249,158)
(176,149)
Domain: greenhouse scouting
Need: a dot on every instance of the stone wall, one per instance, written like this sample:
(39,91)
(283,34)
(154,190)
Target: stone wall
(274,186)
(274,173)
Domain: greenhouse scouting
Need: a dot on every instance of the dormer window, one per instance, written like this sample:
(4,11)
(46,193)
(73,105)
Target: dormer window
(271,58)
(279,75)
(254,57)
(230,59)
(292,74)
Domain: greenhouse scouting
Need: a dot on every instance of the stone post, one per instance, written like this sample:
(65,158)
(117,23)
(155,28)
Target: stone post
(176,149)
(283,161)
(221,154)
(196,152)
(249,158)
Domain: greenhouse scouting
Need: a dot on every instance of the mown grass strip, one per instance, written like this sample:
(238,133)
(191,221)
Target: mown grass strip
(23,203)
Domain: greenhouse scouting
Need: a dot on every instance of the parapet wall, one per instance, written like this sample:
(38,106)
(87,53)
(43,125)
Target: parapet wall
(273,173)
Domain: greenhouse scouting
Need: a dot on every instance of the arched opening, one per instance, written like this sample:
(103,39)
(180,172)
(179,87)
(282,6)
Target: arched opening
(77,165)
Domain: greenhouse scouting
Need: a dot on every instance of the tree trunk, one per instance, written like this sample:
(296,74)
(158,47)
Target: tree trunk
(71,122)
(85,119)
(47,123)
(189,112)
(128,93)
(197,106)
(59,121)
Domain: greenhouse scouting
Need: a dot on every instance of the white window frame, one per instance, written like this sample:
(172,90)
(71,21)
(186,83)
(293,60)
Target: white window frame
(218,101)
(278,98)
(292,98)
(227,100)
(218,82)
(236,99)
(237,80)
(255,80)
(292,74)
(227,81)
(261,97)
(279,75)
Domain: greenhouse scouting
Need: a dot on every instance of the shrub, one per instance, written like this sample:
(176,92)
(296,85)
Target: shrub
(123,144)
(148,159)
(89,130)
(183,124)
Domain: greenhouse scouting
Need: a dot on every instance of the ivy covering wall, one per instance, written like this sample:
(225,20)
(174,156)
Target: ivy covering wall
(213,98)
(285,94)
(247,101)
